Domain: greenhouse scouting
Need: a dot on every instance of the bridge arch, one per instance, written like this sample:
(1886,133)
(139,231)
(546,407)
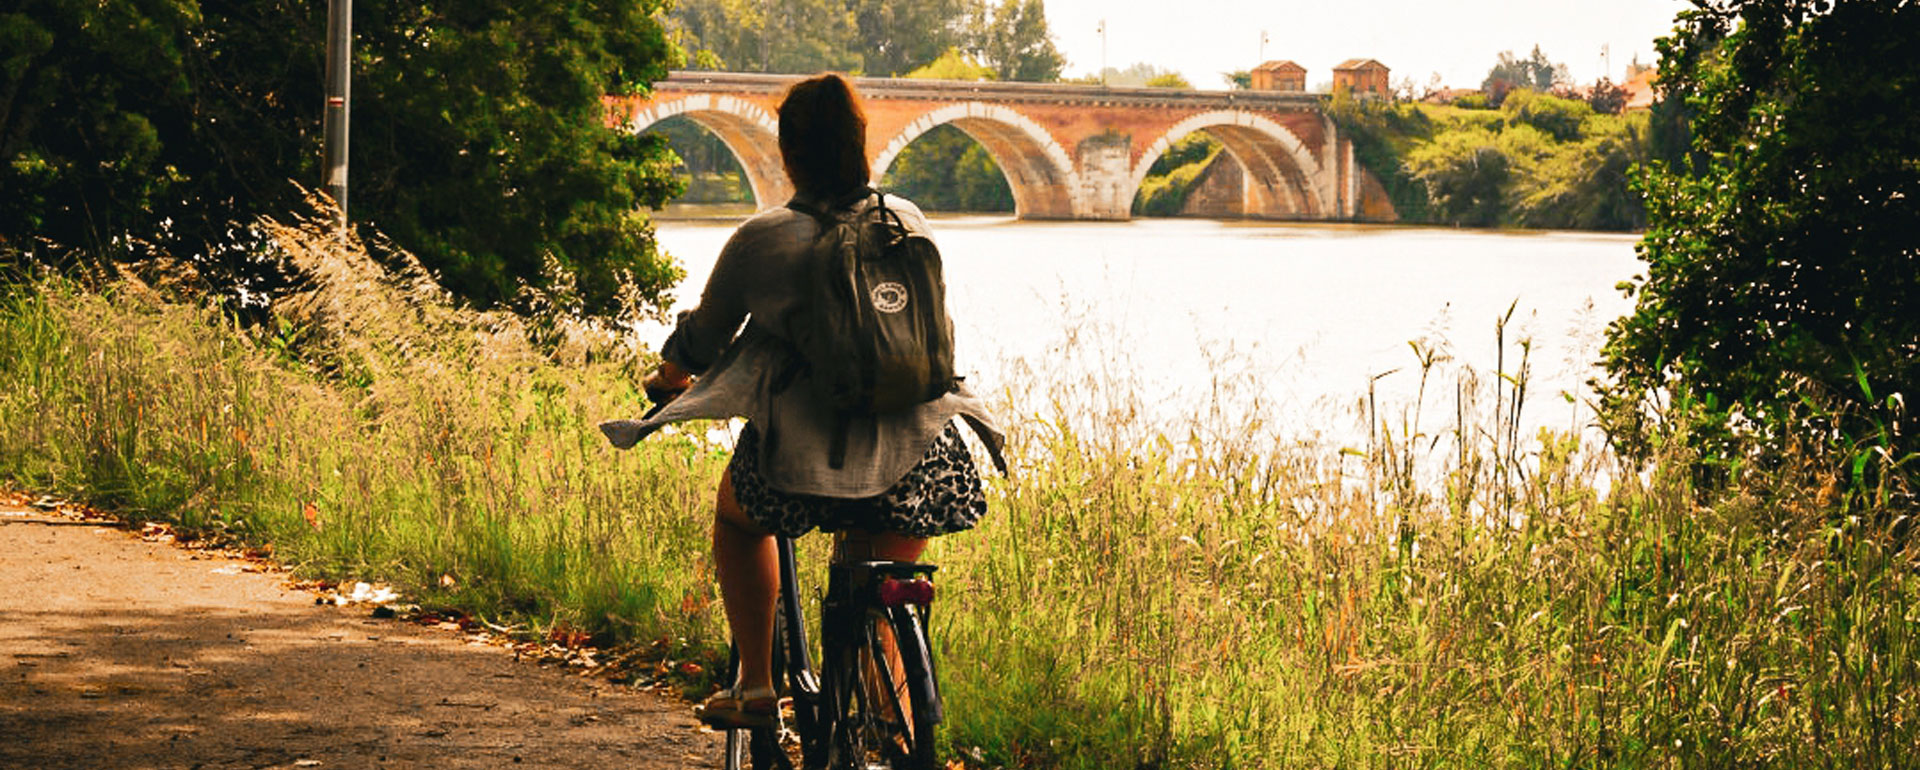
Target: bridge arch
(1281,172)
(748,130)
(1037,168)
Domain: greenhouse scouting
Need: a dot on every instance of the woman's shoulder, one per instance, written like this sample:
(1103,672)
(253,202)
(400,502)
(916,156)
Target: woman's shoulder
(772,227)
(772,219)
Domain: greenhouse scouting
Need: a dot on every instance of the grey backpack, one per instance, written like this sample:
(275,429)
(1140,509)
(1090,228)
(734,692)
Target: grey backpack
(874,333)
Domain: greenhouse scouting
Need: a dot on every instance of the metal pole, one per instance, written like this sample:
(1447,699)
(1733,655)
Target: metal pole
(339,43)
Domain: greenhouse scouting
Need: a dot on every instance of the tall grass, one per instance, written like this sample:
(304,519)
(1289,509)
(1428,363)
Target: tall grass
(1195,593)
(430,446)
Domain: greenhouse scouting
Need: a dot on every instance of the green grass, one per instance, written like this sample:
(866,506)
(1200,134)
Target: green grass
(1198,593)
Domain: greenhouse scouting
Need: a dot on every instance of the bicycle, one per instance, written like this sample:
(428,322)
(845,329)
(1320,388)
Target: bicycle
(876,698)
(875,701)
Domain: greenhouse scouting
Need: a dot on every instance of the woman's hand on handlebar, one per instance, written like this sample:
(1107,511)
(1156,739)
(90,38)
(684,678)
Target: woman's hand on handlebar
(666,383)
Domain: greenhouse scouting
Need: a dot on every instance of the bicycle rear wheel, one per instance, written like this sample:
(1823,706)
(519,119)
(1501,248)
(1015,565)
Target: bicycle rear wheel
(886,701)
(922,685)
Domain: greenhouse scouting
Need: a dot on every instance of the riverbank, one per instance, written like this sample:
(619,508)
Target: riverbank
(1211,593)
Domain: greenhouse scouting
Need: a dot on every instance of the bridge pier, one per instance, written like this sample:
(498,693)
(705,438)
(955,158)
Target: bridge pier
(1104,186)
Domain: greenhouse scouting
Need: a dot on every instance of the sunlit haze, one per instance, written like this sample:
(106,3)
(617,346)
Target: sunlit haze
(1415,38)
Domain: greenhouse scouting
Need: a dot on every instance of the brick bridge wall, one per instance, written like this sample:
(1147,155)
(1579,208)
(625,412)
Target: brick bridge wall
(1069,152)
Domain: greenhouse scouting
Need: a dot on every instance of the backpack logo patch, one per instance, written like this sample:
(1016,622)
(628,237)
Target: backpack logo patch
(889,297)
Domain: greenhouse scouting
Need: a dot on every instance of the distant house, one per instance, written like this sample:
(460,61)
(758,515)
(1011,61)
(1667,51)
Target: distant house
(1279,76)
(1366,77)
(1641,92)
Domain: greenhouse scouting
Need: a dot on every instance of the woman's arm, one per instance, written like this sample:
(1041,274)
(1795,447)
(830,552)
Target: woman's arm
(705,331)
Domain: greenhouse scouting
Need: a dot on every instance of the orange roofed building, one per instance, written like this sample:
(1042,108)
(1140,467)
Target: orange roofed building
(1641,92)
(1363,76)
(1279,76)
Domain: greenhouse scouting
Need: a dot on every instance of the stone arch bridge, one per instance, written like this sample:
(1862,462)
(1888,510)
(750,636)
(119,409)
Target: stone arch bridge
(1068,151)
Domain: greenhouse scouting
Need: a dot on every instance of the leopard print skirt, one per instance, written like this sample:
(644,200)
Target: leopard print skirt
(939,496)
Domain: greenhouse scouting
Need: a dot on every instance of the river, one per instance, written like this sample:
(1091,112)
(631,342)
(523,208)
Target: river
(1296,318)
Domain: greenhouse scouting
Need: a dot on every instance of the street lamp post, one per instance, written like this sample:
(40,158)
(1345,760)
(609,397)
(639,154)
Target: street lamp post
(339,43)
(1103,52)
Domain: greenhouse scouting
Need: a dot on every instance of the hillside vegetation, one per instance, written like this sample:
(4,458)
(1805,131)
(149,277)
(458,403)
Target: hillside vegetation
(1537,161)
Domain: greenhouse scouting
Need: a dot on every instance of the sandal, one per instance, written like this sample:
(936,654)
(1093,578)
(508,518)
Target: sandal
(726,710)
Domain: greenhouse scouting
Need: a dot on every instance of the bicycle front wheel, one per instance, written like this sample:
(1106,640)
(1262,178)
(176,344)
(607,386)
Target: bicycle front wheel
(737,756)
(756,749)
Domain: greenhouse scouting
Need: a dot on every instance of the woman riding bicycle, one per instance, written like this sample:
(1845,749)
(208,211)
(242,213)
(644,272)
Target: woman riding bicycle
(894,479)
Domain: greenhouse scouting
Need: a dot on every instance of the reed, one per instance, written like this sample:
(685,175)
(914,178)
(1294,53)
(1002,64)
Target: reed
(1441,590)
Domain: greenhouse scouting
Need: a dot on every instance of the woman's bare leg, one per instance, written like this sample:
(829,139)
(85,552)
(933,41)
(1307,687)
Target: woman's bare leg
(749,571)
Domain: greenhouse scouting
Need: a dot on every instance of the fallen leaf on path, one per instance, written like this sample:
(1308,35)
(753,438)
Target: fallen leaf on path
(568,637)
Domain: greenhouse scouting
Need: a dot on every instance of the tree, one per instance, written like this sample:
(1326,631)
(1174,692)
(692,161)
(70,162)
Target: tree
(1466,174)
(1239,80)
(796,36)
(1580,183)
(946,170)
(1016,43)
(478,136)
(899,36)
(1781,264)
(954,65)
(1535,72)
(1136,75)
(711,170)
(1171,178)
(122,135)
(1561,118)
(1168,80)
(1607,97)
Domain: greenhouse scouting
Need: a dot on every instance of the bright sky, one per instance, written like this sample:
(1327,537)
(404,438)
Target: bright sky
(1460,39)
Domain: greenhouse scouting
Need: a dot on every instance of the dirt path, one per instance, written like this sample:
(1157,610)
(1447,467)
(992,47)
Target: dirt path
(121,653)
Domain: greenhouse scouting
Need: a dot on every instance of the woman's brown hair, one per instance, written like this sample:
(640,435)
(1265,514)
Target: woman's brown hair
(823,136)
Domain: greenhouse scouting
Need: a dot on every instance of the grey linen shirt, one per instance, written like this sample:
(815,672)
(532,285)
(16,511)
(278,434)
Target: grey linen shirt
(759,278)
